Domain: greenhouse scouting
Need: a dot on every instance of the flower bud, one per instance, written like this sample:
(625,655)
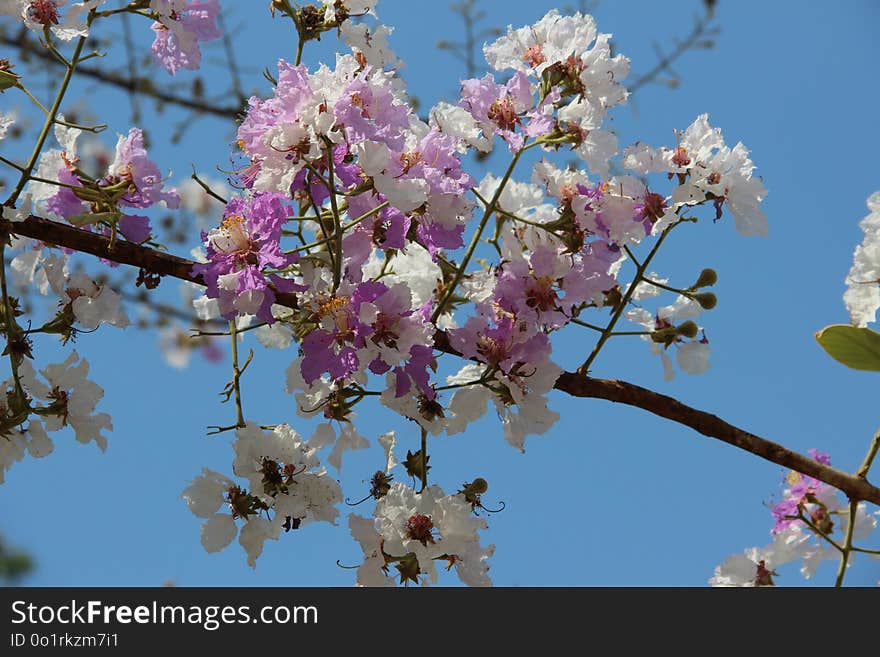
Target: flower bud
(688,329)
(707,278)
(706,299)
(8,79)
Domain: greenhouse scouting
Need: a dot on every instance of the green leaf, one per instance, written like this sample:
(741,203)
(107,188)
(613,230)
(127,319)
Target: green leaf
(8,79)
(89,218)
(858,348)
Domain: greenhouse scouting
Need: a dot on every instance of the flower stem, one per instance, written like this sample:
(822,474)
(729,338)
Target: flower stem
(847,544)
(48,123)
(475,240)
(640,271)
(236,374)
(424,460)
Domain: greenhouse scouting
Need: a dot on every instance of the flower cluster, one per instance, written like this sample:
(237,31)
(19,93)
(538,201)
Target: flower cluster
(245,244)
(68,398)
(810,523)
(374,203)
(131,180)
(357,238)
(412,532)
(283,476)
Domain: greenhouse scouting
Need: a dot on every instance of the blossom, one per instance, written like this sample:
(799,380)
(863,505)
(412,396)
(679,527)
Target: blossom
(412,531)
(90,303)
(247,242)
(499,109)
(181,25)
(284,476)
(6,120)
(862,296)
(550,41)
(71,396)
(756,566)
(39,14)
(712,172)
(132,180)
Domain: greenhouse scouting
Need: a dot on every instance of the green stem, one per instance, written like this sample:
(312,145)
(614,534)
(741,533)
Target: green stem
(10,326)
(424,460)
(663,287)
(236,374)
(36,102)
(341,231)
(640,271)
(337,266)
(847,544)
(490,208)
(580,322)
(862,472)
(47,125)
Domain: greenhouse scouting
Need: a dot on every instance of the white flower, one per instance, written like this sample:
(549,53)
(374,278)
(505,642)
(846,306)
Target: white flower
(37,264)
(862,296)
(37,14)
(284,477)
(352,8)
(207,493)
(693,357)
(755,566)
(349,440)
(175,345)
(534,48)
(6,120)
(714,172)
(12,449)
(388,440)
(371,572)
(525,413)
(92,304)
(371,41)
(277,335)
(25,207)
(596,147)
(429,525)
(74,396)
(457,121)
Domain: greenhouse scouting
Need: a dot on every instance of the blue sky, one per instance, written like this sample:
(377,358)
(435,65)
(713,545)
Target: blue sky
(611,495)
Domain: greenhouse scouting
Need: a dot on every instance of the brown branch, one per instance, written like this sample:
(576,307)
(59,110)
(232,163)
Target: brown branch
(137,85)
(712,426)
(165,264)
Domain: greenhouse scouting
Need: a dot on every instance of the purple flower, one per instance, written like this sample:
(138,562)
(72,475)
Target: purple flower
(509,345)
(246,243)
(132,181)
(807,494)
(498,108)
(178,31)
(370,111)
(143,175)
(374,326)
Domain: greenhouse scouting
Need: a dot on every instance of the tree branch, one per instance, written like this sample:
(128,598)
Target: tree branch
(621,392)
(135,85)
(712,426)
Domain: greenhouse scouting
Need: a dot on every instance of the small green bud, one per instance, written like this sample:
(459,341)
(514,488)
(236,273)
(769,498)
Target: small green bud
(708,277)
(8,79)
(707,300)
(688,329)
